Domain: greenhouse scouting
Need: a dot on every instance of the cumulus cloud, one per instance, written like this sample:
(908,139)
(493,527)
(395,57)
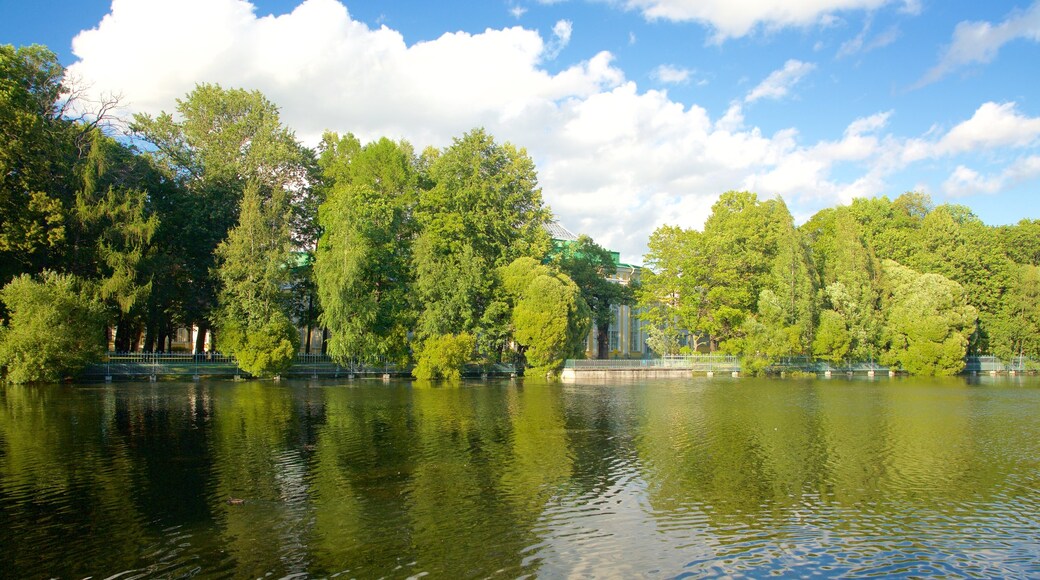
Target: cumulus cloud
(993,125)
(780,82)
(965,181)
(671,74)
(615,161)
(733,19)
(979,42)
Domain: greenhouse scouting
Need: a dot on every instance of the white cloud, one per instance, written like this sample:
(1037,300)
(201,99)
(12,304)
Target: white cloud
(671,74)
(517,11)
(863,42)
(979,42)
(562,31)
(736,18)
(614,161)
(779,83)
(992,126)
(964,181)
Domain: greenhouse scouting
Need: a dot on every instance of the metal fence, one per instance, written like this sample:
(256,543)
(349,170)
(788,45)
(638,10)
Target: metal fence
(151,365)
(724,363)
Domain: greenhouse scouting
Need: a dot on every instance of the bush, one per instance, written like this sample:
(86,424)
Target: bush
(56,328)
(444,356)
(261,350)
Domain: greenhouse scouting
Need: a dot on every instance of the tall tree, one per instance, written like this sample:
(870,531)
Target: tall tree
(482,209)
(850,275)
(223,140)
(668,298)
(253,324)
(363,262)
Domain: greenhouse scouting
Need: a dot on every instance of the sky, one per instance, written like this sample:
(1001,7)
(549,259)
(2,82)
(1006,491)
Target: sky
(637,113)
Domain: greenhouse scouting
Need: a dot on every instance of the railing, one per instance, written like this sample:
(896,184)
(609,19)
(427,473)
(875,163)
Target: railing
(725,363)
(707,362)
(152,365)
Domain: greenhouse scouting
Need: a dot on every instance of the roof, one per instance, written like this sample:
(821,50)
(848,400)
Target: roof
(558,232)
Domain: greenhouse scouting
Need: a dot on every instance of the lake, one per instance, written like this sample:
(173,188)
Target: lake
(670,479)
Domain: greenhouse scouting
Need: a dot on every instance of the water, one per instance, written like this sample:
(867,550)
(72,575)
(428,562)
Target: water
(669,479)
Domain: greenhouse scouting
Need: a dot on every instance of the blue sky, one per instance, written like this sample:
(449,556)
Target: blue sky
(638,113)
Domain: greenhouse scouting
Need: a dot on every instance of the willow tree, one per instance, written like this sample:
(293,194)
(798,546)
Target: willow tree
(364,258)
(550,319)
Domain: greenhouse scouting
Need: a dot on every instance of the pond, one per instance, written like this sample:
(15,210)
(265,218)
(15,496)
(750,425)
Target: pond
(684,478)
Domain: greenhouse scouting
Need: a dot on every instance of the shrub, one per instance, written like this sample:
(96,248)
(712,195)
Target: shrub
(56,328)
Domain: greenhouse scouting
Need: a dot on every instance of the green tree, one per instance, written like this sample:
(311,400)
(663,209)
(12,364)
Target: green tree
(445,356)
(37,161)
(363,262)
(668,297)
(594,269)
(927,321)
(254,325)
(850,275)
(1016,325)
(55,329)
(480,209)
(223,140)
(550,319)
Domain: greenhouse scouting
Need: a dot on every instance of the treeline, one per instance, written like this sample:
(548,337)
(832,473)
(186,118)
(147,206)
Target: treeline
(218,218)
(900,282)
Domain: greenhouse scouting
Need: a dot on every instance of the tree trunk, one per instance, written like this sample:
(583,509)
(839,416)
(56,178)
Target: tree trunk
(200,340)
(602,341)
(149,337)
(324,341)
(123,334)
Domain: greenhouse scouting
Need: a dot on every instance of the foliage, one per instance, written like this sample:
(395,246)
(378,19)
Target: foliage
(223,141)
(253,269)
(928,321)
(363,261)
(1016,327)
(669,299)
(833,341)
(56,328)
(444,356)
(592,267)
(480,209)
(263,348)
(550,318)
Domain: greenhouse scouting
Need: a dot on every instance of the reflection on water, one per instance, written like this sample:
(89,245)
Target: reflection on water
(669,479)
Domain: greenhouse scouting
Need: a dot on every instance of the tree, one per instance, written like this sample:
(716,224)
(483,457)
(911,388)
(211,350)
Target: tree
(850,275)
(37,161)
(253,323)
(225,140)
(550,318)
(668,298)
(592,268)
(444,357)
(1015,329)
(481,209)
(927,321)
(55,329)
(364,259)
